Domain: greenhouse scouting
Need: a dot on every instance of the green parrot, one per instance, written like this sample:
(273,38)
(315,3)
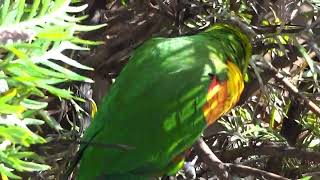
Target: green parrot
(168,93)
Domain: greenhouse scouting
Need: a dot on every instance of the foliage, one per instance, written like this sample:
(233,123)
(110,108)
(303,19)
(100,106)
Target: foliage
(34,37)
(34,69)
(287,38)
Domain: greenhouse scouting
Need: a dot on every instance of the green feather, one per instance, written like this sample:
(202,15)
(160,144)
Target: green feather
(122,177)
(155,105)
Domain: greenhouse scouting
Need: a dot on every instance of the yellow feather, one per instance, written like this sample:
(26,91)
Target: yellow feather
(217,103)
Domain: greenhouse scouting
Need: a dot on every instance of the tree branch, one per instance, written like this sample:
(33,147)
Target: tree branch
(224,170)
(294,90)
(214,163)
(270,150)
(246,170)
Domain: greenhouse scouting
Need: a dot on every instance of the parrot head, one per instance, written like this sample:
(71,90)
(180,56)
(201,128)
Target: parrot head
(236,35)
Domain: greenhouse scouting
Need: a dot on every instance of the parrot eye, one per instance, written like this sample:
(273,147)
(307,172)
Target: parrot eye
(211,75)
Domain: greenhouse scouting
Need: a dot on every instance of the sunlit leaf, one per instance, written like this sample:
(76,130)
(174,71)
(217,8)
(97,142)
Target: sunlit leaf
(31,104)
(5,171)
(31,121)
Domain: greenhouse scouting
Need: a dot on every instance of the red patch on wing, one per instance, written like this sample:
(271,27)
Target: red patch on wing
(216,97)
(223,95)
(213,83)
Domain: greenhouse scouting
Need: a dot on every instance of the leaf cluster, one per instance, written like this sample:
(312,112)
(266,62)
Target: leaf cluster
(37,40)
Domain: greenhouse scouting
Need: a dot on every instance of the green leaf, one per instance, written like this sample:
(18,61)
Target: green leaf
(50,121)
(4,10)
(8,172)
(19,135)
(20,10)
(87,42)
(32,121)
(68,45)
(124,2)
(7,108)
(32,74)
(310,62)
(8,95)
(56,91)
(13,159)
(306,178)
(32,104)
(28,70)
(34,9)
(11,109)
(69,61)
(72,18)
(54,33)
(71,75)
(20,54)
(45,6)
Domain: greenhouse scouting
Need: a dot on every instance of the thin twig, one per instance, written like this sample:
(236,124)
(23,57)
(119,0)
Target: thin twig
(270,150)
(211,160)
(246,170)
(294,90)
(223,170)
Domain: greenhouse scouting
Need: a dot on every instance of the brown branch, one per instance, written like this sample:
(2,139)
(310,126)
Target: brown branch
(162,8)
(294,90)
(276,28)
(14,35)
(214,163)
(223,170)
(246,170)
(252,87)
(270,150)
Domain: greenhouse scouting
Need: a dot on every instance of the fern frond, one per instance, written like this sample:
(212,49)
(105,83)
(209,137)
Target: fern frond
(34,37)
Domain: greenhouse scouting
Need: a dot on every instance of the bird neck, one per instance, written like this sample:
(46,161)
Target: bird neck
(235,43)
